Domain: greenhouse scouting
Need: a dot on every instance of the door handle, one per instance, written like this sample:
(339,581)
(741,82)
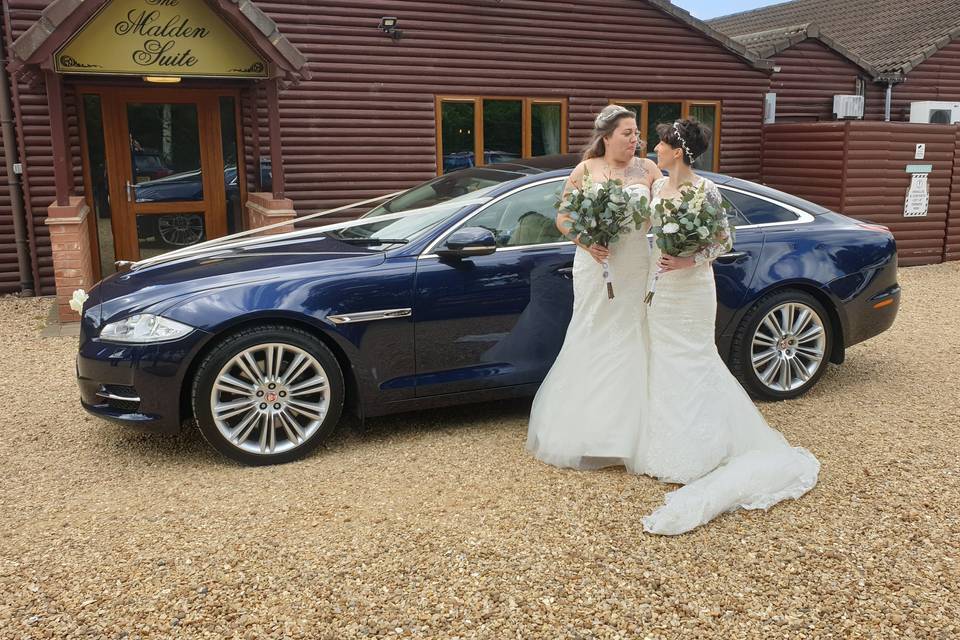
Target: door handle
(733,256)
(129,192)
(565,271)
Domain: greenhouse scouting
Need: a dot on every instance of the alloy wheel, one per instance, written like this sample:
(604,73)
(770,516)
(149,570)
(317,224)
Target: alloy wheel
(788,346)
(270,398)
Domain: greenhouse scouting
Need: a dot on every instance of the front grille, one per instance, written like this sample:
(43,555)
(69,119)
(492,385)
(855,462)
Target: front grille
(120,397)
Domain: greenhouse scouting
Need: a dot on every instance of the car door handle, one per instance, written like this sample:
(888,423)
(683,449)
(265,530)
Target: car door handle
(733,256)
(565,271)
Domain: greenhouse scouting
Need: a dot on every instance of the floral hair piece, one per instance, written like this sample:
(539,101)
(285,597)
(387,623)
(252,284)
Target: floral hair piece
(683,143)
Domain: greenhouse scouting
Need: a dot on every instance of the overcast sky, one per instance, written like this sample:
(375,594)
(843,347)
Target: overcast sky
(706,9)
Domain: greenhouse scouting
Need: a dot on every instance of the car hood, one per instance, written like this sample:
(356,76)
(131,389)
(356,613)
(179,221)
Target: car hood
(149,286)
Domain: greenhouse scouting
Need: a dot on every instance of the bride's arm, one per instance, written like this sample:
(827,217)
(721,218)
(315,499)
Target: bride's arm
(564,220)
(653,172)
(722,241)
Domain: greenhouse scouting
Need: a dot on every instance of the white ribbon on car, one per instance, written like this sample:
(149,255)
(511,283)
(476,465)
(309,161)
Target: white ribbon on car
(230,241)
(238,240)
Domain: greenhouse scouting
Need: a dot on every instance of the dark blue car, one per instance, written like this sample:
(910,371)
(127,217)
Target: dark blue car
(458,290)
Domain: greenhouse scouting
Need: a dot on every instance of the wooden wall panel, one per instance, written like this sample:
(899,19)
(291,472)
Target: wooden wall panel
(810,75)
(936,78)
(859,169)
(951,249)
(365,124)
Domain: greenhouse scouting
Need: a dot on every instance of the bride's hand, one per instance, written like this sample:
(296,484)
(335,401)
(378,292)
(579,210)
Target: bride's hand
(672,263)
(600,254)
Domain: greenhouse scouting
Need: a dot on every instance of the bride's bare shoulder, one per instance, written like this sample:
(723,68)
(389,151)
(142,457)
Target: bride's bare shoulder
(651,169)
(578,171)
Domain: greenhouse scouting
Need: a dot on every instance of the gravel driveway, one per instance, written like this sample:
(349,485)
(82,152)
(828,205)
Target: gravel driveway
(438,525)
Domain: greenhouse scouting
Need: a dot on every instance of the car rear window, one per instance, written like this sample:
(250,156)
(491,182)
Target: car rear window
(758,210)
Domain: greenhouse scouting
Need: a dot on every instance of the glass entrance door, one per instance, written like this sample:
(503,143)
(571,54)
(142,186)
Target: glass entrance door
(166,156)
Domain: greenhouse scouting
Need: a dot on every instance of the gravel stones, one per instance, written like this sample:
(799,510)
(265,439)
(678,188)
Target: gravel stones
(439,525)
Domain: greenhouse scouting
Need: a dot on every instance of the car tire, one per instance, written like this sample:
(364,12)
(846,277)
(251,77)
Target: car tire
(777,352)
(268,394)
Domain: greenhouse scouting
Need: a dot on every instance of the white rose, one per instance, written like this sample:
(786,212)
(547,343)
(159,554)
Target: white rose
(703,231)
(671,227)
(79,297)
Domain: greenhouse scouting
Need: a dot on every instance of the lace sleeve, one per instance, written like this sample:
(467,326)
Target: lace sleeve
(723,241)
(657,185)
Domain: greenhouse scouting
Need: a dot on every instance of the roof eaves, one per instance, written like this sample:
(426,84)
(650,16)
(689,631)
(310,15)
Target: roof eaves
(724,40)
(52,16)
(795,34)
(921,57)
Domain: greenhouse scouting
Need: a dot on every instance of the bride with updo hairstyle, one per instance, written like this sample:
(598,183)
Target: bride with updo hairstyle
(702,429)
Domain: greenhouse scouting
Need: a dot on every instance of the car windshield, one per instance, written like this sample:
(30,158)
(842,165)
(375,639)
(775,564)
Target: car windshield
(458,185)
(396,228)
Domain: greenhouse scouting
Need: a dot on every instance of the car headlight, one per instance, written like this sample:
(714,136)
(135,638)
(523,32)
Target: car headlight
(144,327)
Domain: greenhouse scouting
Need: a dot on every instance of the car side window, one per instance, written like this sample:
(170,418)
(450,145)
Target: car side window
(758,210)
(734,217)
(527,217)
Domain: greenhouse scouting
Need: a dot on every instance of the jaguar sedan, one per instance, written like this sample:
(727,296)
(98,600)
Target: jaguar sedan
(457,290)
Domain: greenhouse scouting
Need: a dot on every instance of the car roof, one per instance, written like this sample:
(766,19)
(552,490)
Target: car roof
(560,165)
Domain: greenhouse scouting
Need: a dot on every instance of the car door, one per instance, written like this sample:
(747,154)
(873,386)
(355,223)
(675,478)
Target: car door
(496,320)
(734,270)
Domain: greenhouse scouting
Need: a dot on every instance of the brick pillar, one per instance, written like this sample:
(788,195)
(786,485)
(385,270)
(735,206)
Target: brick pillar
(72,255)
(263,210)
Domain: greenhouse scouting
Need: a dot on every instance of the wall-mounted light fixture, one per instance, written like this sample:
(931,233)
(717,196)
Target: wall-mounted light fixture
(163,79)
(388,25)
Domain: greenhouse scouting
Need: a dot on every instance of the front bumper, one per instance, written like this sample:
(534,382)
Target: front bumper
(136,385)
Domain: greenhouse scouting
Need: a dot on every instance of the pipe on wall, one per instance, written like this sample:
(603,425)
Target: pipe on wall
(13,181)
(887,102)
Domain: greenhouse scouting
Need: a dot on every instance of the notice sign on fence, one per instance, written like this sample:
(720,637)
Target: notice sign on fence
(918,197)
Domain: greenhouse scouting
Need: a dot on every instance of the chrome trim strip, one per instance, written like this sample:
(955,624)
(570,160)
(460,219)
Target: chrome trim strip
(427,252)
(545,245)
(110,396)
(369,316)
(802,216)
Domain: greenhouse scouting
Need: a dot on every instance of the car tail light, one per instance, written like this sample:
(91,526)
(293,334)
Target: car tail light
(873,227)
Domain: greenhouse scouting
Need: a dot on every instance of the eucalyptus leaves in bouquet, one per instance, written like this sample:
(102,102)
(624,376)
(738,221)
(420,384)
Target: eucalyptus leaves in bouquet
(684,228)
(600,212)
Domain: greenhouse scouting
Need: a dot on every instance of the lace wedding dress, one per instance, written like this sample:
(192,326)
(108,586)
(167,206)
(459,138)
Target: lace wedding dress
(701,428)
(588,412)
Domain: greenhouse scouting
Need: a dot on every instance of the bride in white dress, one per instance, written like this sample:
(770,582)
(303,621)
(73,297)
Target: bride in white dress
(702,429)
(590,407)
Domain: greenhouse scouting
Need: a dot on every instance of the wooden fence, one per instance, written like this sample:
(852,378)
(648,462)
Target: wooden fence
(859,168)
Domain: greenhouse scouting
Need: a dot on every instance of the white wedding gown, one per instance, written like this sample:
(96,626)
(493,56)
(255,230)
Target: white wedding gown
(589,409)
(701,428)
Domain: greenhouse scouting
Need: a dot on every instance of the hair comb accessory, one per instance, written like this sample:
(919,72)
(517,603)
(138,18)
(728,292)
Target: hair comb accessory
(683,143)
(611,114)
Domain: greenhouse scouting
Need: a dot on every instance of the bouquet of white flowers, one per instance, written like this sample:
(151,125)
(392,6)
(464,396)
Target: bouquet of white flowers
(684,229)
(600,212)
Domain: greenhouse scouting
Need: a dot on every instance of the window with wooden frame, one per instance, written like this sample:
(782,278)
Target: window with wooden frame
(479,130)
(650,113)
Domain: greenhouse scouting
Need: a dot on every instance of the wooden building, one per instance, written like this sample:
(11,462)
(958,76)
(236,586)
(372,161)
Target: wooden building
(879,49)
(142,125)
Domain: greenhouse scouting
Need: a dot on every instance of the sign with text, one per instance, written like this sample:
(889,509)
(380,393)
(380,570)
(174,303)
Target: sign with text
(918,197)
(159,38)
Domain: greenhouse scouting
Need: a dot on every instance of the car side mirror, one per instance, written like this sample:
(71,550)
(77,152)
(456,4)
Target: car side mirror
(468,242)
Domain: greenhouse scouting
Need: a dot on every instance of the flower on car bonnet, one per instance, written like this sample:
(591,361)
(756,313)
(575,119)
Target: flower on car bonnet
(79,297)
